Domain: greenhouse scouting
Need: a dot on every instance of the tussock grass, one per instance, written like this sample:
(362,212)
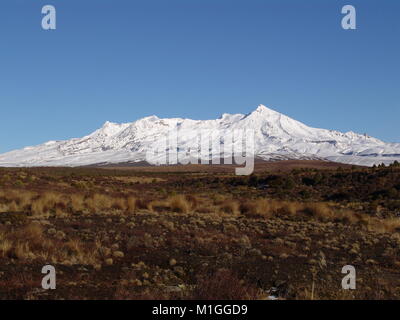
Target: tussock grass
(52,203)
(174,203)
(131,203)
(229,206)
(263,208)
(47,203)
(178,203)
(30,243)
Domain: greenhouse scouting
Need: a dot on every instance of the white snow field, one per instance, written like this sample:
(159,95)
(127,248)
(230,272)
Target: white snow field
(277,137)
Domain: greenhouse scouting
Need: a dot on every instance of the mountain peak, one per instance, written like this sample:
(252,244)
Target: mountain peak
(263,109)
(263,112)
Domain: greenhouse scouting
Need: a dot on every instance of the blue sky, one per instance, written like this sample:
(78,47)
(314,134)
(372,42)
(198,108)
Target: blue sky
(120,60)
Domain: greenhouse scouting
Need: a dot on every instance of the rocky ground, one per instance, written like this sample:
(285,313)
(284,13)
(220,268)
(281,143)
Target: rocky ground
(154,256)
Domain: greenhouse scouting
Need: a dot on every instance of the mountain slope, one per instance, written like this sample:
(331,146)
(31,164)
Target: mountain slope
(276,137)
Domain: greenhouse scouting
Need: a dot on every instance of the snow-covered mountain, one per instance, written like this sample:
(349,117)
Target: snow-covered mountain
(277,137)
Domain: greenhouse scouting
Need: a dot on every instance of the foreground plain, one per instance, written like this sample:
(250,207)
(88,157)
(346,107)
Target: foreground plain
(200,232)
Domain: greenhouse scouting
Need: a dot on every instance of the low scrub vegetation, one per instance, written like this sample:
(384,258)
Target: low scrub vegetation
(50,203)
(126,234)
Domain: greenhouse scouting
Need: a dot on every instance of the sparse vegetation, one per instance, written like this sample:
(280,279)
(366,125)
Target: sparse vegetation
(128,234)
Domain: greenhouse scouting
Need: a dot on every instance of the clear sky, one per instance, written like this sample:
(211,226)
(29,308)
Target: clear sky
(120,60)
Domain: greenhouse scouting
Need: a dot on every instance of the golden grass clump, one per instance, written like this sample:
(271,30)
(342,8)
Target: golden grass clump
(229,206)
(319,210)
(31,243)
(48,202)
(178,203)
(97,203)
(18,244)
(5,245)
(392,225)
(77,202)
(193,201)
(119,204)
(15,200)
(32,232)
(255,208)
(267,208)
(131,204)
(389,225)
(143,204)
(290,208)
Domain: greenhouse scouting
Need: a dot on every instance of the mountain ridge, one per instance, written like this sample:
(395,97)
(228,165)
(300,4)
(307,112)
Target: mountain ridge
(277,137)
